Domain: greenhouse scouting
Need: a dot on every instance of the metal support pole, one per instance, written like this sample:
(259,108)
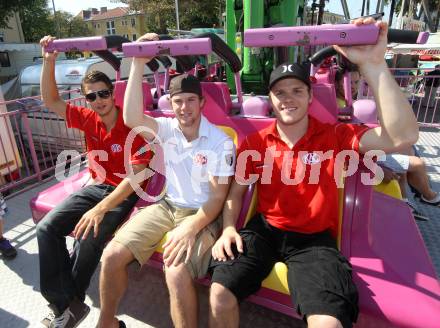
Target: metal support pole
(380,6)
(57,23)
(321,11)
(345,9)
(177,17)
(393,5)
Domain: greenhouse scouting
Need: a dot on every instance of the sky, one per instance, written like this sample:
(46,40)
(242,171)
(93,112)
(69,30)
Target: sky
(75,6)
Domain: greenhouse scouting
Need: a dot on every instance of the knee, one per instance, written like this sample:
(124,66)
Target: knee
(323,321)
(415,163)
(43,227)
(221,299)
(177,277)
(115,256)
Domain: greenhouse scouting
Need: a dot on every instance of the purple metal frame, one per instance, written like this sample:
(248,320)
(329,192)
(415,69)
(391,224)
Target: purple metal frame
(81,44)
(341,34)
(184,47)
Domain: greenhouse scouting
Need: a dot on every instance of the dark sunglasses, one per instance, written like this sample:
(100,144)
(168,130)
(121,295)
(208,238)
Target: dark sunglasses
(104,94)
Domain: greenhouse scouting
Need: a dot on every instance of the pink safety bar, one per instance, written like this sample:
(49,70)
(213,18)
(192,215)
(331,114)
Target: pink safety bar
(423,37)
(168,47)
(341,34)
(81,44)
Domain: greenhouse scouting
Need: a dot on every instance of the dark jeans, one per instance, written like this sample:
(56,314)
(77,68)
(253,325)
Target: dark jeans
(62,276)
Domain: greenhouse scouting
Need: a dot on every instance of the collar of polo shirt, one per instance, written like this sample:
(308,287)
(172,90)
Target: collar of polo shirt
(203,128)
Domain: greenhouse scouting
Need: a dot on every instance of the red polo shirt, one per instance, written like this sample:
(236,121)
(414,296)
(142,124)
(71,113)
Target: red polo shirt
(296,186)
(105,149)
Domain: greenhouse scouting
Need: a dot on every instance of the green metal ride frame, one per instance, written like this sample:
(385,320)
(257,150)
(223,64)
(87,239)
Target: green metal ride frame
(258,63)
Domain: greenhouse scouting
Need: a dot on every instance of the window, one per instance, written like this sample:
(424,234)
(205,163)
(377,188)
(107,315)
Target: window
(99,25)
(111,28)
(134,37)
(133,22)
(4,60)
(2,37)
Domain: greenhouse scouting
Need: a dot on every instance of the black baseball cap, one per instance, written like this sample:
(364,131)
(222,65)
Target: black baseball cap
(185,83)
(298,71)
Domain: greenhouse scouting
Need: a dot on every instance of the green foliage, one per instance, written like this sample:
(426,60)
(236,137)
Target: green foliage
(162,15)
(35,21)
(68,26)
(8,7)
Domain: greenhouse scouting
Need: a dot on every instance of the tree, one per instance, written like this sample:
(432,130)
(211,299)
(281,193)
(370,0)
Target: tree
(7,9)
(70,26)
(192,13)
(36,22)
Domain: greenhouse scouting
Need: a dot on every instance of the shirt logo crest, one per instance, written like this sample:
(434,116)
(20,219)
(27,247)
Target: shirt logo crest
(311,158)
(116,148)
(200,159)
(229,159)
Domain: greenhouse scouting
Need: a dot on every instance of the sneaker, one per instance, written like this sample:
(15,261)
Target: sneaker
(433,202)
(48,319)
(419,216)
(7,249)
(79,311)
(70,318)
(122,324)
(62,320)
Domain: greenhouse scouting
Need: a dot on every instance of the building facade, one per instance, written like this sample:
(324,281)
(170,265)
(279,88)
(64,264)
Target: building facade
(120,21)
(14,53)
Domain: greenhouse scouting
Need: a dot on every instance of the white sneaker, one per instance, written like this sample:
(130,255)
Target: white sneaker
(433,202)
(62,320)
(70,318)
(48,319)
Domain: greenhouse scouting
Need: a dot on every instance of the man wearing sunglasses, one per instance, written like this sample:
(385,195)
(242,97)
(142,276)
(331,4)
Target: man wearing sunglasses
(93,213)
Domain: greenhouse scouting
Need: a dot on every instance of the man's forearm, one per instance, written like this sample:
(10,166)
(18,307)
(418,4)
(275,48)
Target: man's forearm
(133,113)
(231,211)
(49,89)
(117,196)
(396,117)
(207,213)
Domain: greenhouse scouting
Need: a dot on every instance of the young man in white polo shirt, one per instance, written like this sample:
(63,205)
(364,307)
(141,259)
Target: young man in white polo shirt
(199,162)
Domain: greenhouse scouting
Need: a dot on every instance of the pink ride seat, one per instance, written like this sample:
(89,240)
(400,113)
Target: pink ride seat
(46,200)
(119,92)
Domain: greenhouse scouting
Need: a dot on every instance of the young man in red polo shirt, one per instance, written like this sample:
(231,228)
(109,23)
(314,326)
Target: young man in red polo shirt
(297,211)
(94,212)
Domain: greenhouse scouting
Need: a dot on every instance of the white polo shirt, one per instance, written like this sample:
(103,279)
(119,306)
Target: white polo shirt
(188,165)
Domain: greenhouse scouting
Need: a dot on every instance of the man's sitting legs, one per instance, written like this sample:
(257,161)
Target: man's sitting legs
(319,277)
(64,279)
(418,179)
(411,169)
(113,281)
(321,285)
(179,278)
(136,240)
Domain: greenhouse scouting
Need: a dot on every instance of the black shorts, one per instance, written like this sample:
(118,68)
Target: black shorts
(319,277)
